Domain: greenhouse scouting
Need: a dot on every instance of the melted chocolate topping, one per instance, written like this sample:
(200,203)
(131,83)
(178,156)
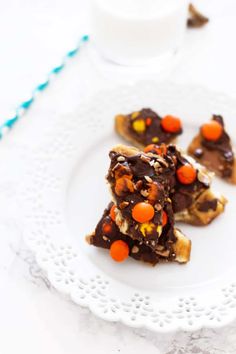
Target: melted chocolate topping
(208,205)
(139,167)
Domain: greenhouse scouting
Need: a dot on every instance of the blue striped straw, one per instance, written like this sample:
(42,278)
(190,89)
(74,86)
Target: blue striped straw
(25,105)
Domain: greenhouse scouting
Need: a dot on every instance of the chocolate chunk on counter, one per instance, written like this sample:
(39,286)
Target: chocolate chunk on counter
(196,19)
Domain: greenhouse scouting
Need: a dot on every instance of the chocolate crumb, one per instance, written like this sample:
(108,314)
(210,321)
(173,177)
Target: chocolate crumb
(196,19)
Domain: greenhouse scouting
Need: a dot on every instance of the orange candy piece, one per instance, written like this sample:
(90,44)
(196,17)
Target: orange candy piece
(186,174)
(106,228)
(159,149)
(112,213)
(119,251)
(124,185)
(212,130)
(164,218)
(148,121)
(152,192)
(143,212)
(171,124)
(151,147)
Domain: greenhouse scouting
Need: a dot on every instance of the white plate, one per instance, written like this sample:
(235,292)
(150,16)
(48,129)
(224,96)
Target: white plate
(66,194)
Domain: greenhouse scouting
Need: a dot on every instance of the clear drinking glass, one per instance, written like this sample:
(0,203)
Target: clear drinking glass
(138,32)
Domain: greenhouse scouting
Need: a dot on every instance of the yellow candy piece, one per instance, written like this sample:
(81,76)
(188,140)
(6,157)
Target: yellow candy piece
(147,228)
(155,139)
(139,126)
(134,115)
(159,230)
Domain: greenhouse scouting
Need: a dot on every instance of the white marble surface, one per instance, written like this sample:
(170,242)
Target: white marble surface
(33,35)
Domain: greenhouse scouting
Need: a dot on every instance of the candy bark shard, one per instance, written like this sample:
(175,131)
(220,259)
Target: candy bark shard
(146,127)
(212,147)
(177,250)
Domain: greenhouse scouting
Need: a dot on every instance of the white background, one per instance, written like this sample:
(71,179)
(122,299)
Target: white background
(33,37)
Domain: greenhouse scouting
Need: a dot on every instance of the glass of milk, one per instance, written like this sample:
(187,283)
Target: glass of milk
(138,32)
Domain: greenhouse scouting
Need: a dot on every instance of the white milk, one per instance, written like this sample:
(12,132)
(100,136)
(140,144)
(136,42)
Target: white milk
(133,32)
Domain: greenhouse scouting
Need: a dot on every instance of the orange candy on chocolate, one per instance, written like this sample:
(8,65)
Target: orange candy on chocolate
(151,147)
(106,228)
(158,149)
(164,218)
(148,121)
(143,212)
(171,124)
(119,251)
(186,174)
(112,213)
(124,185)
(212,130)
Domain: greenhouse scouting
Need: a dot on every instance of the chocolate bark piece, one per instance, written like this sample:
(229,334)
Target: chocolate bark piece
(143,128)
(177,250)
(196,19)
(195,203)
(218,155)
(137,178)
